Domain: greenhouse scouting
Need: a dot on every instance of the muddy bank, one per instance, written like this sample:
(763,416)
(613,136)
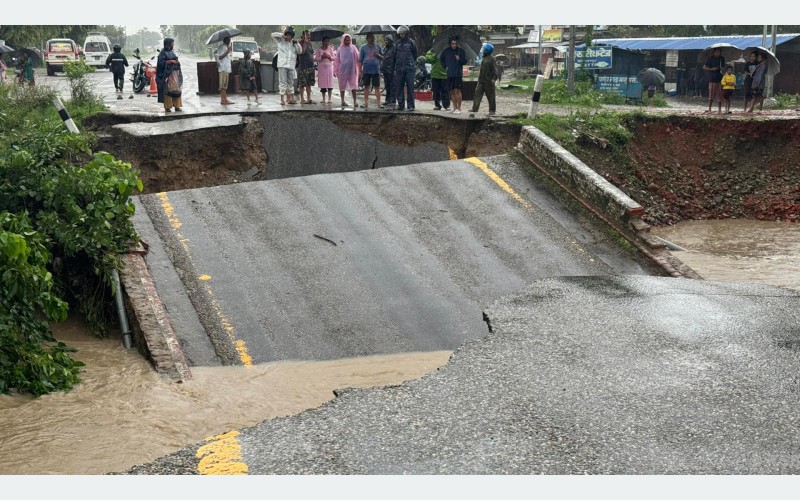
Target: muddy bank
(694,168)
(306,143)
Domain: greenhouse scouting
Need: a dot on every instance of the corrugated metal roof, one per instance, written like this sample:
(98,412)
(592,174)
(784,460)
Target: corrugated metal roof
(689,43)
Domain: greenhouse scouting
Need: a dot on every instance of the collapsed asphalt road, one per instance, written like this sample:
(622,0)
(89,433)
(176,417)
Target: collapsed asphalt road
(597,375)
(399,259)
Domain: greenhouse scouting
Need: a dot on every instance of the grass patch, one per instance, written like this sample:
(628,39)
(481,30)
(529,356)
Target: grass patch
(555,92)
(787,101)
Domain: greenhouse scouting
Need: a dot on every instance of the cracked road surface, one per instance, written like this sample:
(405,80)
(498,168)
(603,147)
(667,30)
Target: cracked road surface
(581,375)
(399,259)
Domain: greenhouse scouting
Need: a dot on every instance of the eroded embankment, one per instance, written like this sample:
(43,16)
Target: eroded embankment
(695,168)
(290,144)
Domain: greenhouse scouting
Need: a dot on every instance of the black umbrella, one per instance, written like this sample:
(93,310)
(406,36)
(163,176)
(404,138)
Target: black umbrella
(468,40)
(218,36)
(375,28)
(650,76)
(320,32)
(37,59)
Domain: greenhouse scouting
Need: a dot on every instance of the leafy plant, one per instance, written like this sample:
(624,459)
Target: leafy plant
(30,359)
(80,88)
(70,208)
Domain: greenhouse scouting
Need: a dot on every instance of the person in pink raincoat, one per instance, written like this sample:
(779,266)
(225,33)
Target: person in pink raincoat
(324,56)
(345,68)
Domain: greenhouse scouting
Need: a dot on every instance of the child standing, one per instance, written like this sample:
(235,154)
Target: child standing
(728,86)
(247,76)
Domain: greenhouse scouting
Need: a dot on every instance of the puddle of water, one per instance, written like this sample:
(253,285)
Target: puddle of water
(124,414)
(751,251)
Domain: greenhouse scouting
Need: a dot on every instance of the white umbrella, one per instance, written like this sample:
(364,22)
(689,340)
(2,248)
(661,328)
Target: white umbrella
(220,35)
(728,51)
(773,66)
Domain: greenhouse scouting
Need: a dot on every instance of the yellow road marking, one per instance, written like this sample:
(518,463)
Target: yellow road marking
(174,221)
(222,455)
(499,181)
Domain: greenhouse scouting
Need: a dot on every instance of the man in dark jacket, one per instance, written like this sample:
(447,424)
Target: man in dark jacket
(387,68)
(405,66)
(486,80)
(453,59)
(117,62)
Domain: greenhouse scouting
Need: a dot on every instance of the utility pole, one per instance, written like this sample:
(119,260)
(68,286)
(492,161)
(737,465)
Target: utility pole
(539,54)
(571,68)
(764,37)
(772,47)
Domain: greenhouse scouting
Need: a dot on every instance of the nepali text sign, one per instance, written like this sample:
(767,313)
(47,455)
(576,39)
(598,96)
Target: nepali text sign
(615,84)
(593,58)
(549,36)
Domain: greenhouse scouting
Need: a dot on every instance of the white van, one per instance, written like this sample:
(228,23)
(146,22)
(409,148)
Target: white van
(96,49)
(240,43)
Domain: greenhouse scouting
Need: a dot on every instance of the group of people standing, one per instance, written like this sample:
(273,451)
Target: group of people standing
(354,68)
(722,81)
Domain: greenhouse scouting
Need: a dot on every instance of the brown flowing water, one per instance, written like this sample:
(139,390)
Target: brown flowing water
(124,414)
(751,251)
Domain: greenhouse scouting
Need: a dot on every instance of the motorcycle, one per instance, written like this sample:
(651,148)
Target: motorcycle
(422,78)
(141,73)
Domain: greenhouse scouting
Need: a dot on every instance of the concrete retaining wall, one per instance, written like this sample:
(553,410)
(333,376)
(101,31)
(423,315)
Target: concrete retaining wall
(150,321)
(604,199)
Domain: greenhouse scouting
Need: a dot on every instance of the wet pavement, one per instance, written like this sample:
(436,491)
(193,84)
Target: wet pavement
(581,375)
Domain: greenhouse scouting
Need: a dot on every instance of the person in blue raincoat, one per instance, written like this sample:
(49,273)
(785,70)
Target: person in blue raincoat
(405,66)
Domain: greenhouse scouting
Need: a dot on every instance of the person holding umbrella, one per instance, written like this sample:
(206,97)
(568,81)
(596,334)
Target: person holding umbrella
(370,57)
(224,68)
(453,59)
(749,68)
(713,68)
(324,57)
(759,82)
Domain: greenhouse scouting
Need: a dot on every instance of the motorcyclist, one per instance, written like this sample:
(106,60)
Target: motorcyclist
(117,63)
(405,67)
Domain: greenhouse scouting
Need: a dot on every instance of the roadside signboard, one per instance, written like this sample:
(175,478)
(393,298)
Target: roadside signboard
(533,36)
(551,35)
(593,58)
(616,84)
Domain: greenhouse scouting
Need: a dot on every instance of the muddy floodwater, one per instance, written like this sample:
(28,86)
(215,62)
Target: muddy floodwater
(124,414)
(743,250)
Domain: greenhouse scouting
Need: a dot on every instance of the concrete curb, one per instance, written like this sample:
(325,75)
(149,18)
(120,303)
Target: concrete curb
(150,321)
(601,197)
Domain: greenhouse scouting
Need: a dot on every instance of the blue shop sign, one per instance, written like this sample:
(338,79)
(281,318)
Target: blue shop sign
(593,58)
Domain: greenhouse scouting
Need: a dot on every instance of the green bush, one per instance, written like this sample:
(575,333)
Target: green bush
(81,90)
(30,359)
(77,207)
(585,95)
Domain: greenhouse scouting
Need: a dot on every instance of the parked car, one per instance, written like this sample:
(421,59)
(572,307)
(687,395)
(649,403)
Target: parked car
(96,49)
(57,52)
(242,43)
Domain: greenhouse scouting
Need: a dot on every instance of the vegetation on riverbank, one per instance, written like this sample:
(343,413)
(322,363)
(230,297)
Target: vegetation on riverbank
(64,216)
